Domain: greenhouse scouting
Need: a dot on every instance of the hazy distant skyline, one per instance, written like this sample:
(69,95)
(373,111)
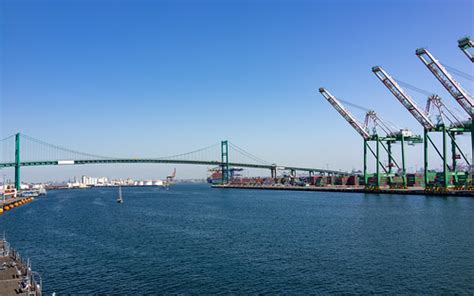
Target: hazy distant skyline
(154,78)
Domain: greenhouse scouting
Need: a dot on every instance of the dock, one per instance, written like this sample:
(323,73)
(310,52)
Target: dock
(11,203)
(355,189)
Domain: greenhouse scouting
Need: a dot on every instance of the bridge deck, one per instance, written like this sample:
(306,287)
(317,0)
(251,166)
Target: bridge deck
(168,161)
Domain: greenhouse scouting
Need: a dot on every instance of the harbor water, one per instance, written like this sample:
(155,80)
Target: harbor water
(194,239)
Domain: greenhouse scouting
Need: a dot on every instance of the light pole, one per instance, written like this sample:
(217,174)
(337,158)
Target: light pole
(3,194)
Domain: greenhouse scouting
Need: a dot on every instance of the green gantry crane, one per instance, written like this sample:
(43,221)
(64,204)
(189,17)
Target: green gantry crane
(391,136)
(455,90)
(448,124)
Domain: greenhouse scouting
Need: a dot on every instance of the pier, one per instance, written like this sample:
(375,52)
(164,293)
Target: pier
(14,202)
(359,189)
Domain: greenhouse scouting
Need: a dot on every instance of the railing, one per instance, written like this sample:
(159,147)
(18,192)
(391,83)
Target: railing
(31,281)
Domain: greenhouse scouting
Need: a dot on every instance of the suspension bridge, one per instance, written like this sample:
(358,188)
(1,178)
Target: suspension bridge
(20,150)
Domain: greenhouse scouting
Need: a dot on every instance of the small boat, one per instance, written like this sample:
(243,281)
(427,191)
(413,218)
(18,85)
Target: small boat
(120,199)
(31,193)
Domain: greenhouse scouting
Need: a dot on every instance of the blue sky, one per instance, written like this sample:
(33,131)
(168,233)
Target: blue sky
(153,78)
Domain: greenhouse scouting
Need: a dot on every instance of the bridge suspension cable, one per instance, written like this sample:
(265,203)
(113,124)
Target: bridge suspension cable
(7,147)
(210,153)
(33,150)
(246,154)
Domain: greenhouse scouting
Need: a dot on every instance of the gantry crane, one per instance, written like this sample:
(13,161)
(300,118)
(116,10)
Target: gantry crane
(391,137)
(423,118)
(454,88)
(170,178)
(466,45)
(455,125)
(451,85)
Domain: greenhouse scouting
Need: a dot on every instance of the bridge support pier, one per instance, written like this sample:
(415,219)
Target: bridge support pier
(292,177)
(17,162)
(225,162)
(273,172)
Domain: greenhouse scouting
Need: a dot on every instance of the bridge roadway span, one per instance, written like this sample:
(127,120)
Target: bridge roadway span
(169,161)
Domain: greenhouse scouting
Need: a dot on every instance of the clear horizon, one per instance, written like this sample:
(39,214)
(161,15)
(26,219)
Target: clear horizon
(147,79)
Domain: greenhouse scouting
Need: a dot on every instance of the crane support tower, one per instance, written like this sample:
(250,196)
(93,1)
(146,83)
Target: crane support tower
(453,87)
(403,136)
(449,132)
(467,45)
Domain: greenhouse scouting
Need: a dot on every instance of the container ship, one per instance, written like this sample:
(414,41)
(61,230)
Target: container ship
(16,276)
(215,175)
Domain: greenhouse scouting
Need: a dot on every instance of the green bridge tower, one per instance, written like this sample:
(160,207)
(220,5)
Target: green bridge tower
(225,161)
(17,161)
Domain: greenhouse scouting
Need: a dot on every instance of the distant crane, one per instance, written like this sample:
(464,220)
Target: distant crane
(449,129)
(466,45)
(170,178)
(391,136)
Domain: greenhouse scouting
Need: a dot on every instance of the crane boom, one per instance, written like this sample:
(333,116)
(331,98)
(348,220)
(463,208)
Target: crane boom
(451,85)
(403,97)
(347,116)
(466,44)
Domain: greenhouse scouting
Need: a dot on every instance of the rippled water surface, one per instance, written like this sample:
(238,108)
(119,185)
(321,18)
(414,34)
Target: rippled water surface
(199,240)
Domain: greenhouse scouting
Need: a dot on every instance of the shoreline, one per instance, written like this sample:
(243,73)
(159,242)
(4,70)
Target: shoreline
(414,191)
